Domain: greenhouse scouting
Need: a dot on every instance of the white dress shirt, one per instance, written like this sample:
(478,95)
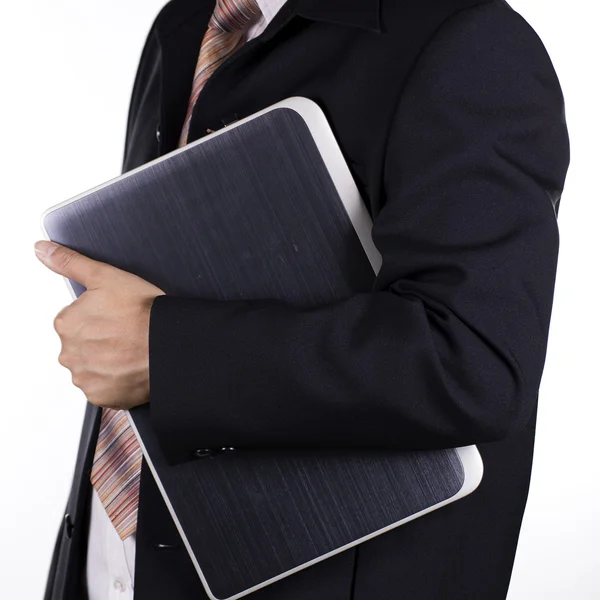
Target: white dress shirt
(110,561)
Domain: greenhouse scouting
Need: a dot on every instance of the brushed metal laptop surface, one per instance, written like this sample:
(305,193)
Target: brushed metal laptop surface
(264,208)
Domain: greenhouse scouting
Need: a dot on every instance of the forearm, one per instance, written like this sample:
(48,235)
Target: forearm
(376,370)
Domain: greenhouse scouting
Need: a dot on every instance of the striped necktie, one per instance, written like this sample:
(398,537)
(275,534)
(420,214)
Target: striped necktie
(118,457)
(116,470)
(225,34)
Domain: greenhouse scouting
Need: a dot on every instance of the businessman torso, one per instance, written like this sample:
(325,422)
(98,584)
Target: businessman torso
(353,58)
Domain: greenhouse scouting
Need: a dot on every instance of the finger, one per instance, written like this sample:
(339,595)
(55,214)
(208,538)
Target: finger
(69,263)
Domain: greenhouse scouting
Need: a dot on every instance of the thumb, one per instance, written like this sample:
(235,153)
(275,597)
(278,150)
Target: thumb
(69,263)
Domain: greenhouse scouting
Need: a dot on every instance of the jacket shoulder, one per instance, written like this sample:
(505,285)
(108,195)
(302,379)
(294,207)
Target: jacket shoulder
(458,27)
(395,15)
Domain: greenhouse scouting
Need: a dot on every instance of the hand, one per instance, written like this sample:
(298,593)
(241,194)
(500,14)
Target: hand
(104,332)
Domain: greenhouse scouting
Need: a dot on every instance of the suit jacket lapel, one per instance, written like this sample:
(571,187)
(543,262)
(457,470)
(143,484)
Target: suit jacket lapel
(180,32)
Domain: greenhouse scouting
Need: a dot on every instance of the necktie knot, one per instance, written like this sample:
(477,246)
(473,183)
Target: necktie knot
(234,15)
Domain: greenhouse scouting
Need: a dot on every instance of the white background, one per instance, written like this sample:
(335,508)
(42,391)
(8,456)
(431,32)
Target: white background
(67,68)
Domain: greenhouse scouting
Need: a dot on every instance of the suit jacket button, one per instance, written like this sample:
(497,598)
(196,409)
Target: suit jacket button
(68,526)
(204,453)
(158,135)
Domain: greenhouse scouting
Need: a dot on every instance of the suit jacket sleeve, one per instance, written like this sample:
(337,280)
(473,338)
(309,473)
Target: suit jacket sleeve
(448,348)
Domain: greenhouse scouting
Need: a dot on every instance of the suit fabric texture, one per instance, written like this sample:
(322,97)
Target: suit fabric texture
(452,120)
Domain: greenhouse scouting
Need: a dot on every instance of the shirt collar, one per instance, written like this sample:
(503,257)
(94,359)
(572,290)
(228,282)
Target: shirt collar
(269,8)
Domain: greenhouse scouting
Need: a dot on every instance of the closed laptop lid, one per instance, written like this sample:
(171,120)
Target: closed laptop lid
(264,208)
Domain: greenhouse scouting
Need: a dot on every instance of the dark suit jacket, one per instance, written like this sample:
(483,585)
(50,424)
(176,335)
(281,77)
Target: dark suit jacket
(451,117)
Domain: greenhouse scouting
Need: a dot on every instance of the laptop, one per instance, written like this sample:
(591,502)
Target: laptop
(284,220)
